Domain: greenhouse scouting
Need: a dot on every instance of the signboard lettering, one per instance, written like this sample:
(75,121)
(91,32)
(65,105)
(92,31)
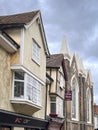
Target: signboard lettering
(68,95)
(21,120)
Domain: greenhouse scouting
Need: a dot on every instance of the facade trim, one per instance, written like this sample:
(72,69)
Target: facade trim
(20,67)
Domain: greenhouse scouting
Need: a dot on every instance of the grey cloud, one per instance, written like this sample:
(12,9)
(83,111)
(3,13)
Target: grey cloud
(17,6)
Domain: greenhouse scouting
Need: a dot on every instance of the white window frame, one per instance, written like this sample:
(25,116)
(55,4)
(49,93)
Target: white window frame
(37,86)
(17,80)
(61,80)
(75,108)
(36,90)
(60,107)
(54,102)
(88,105)
(36,52)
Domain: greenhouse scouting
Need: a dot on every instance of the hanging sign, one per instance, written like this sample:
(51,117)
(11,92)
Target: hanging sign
(68,95)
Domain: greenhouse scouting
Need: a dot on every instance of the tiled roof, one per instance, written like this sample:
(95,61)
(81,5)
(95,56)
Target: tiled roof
(22,18)
(54,61)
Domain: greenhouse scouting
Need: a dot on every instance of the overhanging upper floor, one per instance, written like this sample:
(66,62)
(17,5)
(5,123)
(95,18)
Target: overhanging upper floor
(8,43)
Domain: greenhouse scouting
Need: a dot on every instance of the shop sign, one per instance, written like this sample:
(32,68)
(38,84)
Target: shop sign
(14,119)
(68,95)
(21,120)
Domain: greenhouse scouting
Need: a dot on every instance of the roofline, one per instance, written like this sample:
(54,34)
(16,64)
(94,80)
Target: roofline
(44,37)
(26,25)
(13,25)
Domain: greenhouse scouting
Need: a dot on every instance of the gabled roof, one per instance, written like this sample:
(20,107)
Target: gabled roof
(54,61)
(22,18)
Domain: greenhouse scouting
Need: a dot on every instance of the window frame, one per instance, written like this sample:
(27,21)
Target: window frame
(61,80)
(38,92)
(58,106)
(17,80)
(88,105)
(36,56)
(76,106)
(52,102)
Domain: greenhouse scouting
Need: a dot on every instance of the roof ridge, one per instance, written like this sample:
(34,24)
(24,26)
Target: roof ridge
(21,13)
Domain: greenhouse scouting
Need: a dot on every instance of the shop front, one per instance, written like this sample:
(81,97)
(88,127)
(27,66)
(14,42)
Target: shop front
(55,123)
(14,121)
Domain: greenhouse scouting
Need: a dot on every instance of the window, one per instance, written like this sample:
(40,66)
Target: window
(53,105)
(60,107)
(75,97)
(33,90)
(88,104)
(19,84)
(36,52)
(56,106)
(61,80)
(26,87)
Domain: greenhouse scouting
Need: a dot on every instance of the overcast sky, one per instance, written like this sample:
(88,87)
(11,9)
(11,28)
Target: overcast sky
(76,19)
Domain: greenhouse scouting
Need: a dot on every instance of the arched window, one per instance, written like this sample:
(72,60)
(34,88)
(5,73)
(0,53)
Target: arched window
(88,105)
(75,97)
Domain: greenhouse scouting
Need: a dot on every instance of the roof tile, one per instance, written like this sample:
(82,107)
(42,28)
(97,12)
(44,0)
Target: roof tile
(22,18)
(54,61)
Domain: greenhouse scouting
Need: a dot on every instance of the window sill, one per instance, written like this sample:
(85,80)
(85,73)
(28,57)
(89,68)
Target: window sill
(75,119)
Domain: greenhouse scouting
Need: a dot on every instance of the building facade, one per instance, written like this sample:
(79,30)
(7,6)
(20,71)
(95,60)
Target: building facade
(77,95)
(79,111)
(32,90)
(23,52)
(95,116)
(56,69)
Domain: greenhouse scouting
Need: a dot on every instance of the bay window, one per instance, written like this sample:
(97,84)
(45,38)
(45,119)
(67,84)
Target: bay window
(26,88)
(56,106)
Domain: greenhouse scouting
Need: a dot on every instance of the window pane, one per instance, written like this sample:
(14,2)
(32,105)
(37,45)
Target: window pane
(18,89)
(35,52)
(33,90)
(53,107)
(19,75)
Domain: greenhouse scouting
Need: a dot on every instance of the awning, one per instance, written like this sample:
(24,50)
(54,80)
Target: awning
(13,119)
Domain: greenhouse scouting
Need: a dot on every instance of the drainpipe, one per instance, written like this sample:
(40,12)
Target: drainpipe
(46,101)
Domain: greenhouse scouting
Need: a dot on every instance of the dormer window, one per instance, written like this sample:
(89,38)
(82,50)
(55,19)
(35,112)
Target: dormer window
(36,52)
